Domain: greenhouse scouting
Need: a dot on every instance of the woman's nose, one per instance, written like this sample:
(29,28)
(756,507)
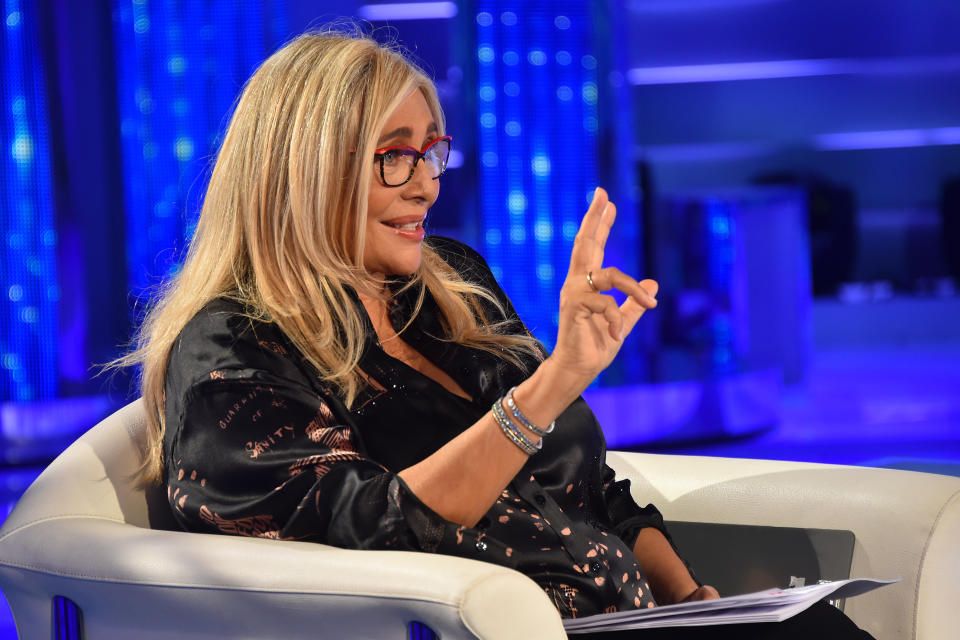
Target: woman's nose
(422,178)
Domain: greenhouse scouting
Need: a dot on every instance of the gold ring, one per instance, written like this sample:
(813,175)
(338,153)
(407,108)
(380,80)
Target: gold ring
(590,282)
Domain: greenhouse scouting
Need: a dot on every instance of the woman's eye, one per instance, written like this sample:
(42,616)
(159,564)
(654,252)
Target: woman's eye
(391,157)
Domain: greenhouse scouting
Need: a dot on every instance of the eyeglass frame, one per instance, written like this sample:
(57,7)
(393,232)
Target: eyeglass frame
(417,157)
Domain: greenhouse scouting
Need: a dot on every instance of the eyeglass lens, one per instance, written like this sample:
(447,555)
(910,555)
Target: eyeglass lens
(398,164)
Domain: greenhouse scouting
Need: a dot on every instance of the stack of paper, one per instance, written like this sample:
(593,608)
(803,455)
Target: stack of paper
(773,605)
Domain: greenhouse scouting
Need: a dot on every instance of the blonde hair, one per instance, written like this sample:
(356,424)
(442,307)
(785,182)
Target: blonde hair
(282,226)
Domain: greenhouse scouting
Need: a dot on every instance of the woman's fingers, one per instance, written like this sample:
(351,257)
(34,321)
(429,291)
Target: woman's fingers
(632,310)
(706,592)
(585,242)
(612,278)
(620,319)
(586,258)
(591,220)
(607,218)
(650,286)
(598,303)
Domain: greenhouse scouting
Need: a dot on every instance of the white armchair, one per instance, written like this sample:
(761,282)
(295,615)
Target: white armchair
(906,524)
(85,530)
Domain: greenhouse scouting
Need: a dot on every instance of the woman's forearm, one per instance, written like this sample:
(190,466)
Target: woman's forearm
(667,574)
(462,479)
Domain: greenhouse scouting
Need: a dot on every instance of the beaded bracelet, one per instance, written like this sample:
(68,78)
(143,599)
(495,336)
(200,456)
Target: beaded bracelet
(523,419)
(511,431)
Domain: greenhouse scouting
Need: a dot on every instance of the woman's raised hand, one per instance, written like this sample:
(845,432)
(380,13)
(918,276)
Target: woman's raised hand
(592,325)
(592,328)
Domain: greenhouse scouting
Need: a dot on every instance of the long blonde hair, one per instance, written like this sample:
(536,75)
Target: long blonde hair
(282,225)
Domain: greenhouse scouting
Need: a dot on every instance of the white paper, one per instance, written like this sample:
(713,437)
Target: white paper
(772,605)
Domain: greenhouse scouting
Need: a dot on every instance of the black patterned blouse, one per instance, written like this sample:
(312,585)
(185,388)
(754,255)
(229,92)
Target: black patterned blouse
(256,445)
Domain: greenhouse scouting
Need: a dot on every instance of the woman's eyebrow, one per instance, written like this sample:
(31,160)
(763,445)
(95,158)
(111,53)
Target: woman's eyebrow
(396,133)
(404,132)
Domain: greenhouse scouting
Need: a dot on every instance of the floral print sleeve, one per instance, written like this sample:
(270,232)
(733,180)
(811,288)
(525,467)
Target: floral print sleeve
(259,456)
(254,445)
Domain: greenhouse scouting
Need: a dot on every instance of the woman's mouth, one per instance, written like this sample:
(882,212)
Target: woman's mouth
(410,226)
(411,230)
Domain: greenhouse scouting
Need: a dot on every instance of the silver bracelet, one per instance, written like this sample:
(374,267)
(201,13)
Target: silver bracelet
(523,419)
(511,431)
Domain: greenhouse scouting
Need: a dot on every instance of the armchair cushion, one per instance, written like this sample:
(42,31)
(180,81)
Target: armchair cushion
(906,524)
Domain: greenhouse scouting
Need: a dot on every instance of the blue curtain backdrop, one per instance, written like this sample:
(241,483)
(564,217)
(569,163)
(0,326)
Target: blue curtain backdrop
(180,67)
(537,114)
(29,290)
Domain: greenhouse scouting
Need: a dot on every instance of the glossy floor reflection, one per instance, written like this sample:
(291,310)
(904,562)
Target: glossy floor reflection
(895,407)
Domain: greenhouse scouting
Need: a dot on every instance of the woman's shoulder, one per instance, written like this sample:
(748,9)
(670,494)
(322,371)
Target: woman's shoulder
(224,339)
(224,321)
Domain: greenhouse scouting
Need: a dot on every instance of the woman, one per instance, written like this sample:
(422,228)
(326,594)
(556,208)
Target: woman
(318,371)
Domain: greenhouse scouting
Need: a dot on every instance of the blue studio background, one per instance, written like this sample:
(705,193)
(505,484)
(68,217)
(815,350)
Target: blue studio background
(789,170)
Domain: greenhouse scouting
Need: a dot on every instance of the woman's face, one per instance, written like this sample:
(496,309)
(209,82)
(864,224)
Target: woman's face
(395,215)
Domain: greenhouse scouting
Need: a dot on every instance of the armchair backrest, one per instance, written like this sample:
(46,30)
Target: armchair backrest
(96,476)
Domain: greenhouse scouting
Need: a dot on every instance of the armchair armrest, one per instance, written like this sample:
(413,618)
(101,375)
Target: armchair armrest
(135,582)
(906,524)
(82,531)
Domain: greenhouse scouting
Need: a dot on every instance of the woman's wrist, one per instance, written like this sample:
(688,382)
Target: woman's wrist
(546,394)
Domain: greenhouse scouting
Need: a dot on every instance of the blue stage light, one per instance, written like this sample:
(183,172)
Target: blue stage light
(485,54)
(769,69)
(408,11)
(28,268)
(892,139)
(537,145)
(179,69)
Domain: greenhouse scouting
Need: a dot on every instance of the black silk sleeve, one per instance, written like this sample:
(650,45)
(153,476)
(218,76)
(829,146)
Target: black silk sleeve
(626,516)
(258,455)
(629,518)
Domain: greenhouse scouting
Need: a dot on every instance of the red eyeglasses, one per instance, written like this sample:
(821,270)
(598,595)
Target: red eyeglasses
(398,163)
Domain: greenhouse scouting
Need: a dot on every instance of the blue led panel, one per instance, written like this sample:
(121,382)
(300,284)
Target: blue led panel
(180,66)
(28,240)
(721,257)
(537,110)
